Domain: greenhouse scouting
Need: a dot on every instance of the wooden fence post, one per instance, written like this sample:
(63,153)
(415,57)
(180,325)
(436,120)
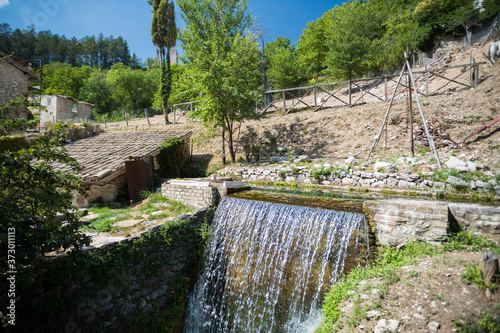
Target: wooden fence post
(385,89)
(126,119)
(315,98)
(147,118)
(174,111)
(284,100)
(350,86)
(104,119)
(426,81)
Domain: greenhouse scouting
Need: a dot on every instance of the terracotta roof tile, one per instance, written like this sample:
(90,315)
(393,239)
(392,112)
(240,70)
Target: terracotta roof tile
(105,153)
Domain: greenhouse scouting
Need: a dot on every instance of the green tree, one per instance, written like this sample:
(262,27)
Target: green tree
(64,79)
(133,89)
(97,91)
(354,35)
(33,193)
(164,36)
(284,68)
(312,47)
(224,61)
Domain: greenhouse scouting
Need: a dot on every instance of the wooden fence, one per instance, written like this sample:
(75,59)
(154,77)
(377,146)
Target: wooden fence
(353,92)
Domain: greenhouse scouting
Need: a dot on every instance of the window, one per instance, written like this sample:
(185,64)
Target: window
(74,108)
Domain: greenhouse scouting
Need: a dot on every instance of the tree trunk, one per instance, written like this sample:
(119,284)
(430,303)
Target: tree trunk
(223,146)
(165,85)
(231,146)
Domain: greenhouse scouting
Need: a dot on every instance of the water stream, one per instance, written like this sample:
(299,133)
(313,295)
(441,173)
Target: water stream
(269,265)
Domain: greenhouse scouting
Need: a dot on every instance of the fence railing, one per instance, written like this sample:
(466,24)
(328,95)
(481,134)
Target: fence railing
(354,92)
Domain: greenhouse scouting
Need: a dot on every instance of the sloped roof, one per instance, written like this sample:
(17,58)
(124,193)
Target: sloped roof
(16,64)
(105,154)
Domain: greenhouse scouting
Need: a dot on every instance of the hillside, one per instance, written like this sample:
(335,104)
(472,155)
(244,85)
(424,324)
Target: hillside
(346,131)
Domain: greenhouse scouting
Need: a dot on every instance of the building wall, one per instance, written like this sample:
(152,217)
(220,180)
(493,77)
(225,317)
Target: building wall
(13,83)
(60,108)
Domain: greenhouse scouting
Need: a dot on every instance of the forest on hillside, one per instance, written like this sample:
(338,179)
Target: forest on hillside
(349,41)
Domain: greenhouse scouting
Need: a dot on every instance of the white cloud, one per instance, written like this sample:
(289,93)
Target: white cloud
(4,3)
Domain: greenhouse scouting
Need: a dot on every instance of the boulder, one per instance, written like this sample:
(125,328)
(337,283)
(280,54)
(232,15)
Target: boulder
(456,163)
(455,181)
(490,267)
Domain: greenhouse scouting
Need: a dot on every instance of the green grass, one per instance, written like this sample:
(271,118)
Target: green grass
(109,214)
(386,268)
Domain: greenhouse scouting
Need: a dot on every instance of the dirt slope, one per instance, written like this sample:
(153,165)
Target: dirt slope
(345,131)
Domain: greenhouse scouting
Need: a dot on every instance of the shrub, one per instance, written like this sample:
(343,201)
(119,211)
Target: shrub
(170,158)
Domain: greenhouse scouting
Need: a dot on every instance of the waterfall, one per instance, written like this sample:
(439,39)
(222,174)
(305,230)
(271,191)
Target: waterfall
(268,266)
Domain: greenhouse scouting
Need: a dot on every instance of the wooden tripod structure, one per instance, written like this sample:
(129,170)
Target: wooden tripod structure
(407,69)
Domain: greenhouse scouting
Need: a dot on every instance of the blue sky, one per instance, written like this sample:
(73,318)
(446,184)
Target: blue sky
(132,19)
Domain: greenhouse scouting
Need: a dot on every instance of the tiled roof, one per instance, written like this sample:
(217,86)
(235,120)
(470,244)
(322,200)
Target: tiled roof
(104,154)
(16,64)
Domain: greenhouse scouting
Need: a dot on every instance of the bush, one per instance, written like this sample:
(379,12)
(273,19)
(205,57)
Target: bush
(170,158)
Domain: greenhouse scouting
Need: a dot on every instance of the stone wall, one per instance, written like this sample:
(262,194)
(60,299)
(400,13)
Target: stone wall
(398,221)
(13,83)
(60,108)
(196,194)
(120,287)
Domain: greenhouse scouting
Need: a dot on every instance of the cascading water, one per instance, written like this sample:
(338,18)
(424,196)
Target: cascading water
(268,266)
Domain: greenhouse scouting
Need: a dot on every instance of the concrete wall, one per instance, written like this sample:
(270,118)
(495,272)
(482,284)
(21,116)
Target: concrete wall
(122,291)
(189,193)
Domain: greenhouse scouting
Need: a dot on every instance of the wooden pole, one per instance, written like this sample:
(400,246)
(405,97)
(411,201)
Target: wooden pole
(350,87)
(315,98)
(386,115)
(174,111)
(284,100)
(429,137)
(426,81)
(147,118)
(126,119)
(385,89)
(407,56)
(104,119)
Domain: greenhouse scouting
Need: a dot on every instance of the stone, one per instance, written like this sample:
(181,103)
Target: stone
(456,163)
(382,165)
(406,184)
(440,186)
(277,159)
(472,166)
(282,149)
(490,267)
(480,184)
(455,181)
(347,181)
(433,326)
(130,223)
(349,160)
(393,325)
(380,175)
(373,314)
(302,158)
(419,316)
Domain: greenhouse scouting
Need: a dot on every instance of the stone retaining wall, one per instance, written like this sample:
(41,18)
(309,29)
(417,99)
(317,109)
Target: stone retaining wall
(123,287)
(398,221)
(389,179)
(195,194)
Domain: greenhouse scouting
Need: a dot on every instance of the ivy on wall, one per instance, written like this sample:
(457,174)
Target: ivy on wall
(170,158)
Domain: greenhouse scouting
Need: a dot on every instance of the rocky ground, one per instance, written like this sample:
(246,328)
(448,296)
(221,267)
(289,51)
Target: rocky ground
(428,296)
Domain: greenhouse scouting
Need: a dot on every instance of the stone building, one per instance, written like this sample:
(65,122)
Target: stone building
(14,80)
(120,164)
(61,108)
